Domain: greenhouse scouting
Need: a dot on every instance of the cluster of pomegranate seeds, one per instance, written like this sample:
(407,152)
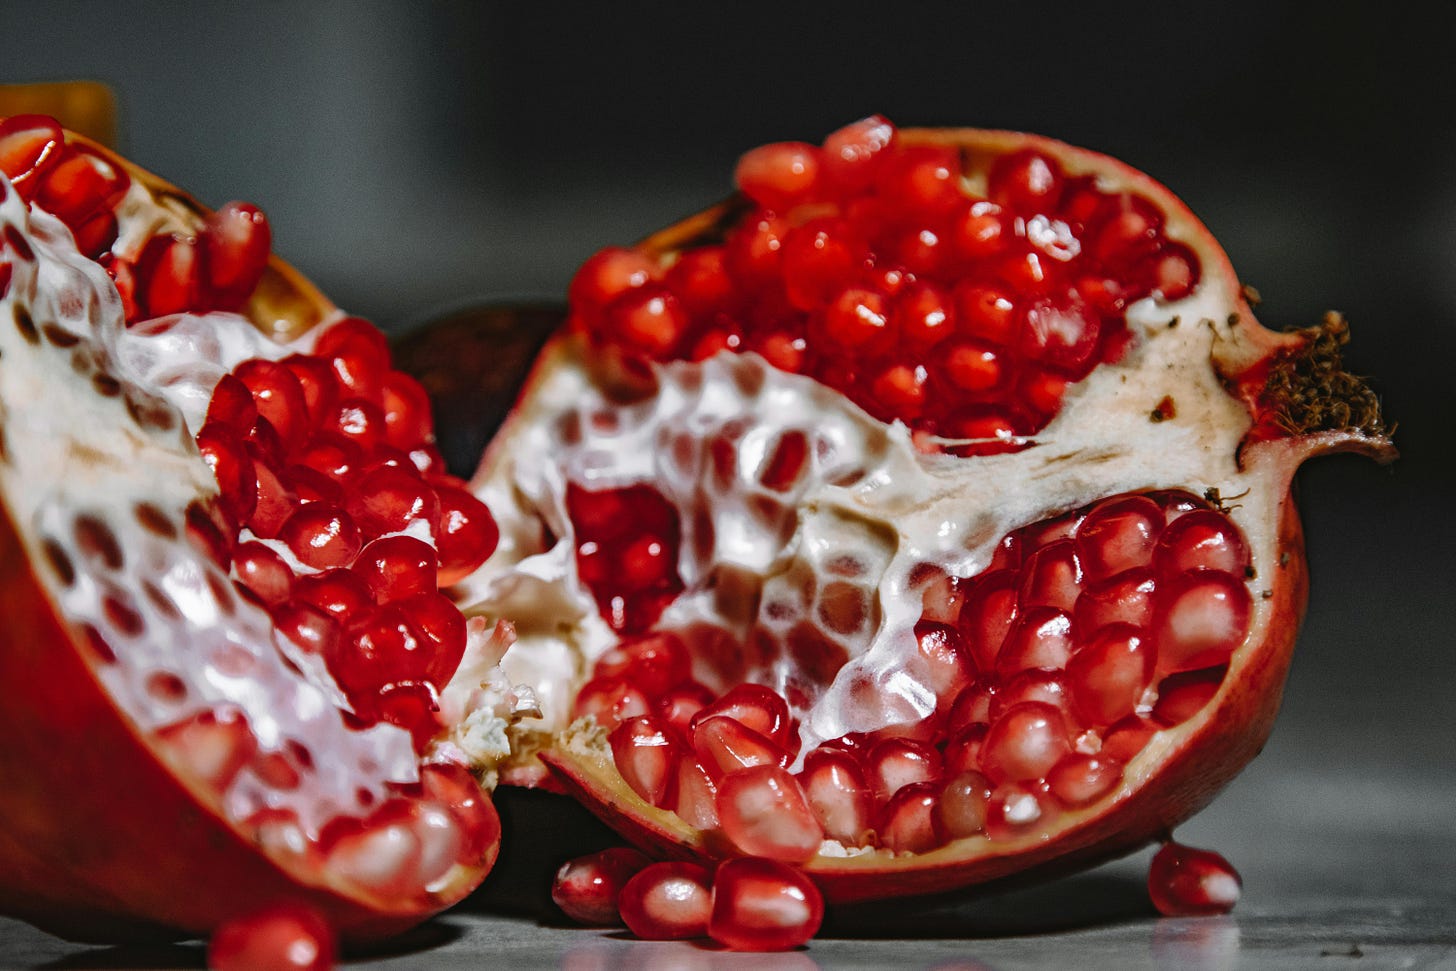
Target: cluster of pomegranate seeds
(878,268)
(1052,668)
(214,269)
(747,904)
(327,461)
(626,552)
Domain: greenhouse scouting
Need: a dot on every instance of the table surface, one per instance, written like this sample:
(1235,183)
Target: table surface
(1346,865)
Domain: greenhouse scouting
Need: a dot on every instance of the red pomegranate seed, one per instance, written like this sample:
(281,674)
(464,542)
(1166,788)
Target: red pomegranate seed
(1027,181)
(279,398)
(656,663)
(358,353)
(818,260)
(648,320)
(286,937)
(906,824)
(232,468)
(169,276)
(986,618)
(1126,598)
(610,701)
(894,763)
(232,406)
(778,176)
(440,622)
(587,888)
(338,593)
(697,796)
(30,146)
(700,280)
(948,663)
(1079,780)
(923,179)
(236,241)
(757,707)
(963,747)
(978,231)
(80,185)
(857,321)
(1108,676)
(1128,227)
(1199,620)
(319,383)
(1016,809)
(358,420)
(396,567)
(321,535)
(763,810)
(1042,637)
(411,705)
(724,745)
(467,534)
(1025,742)
(1125,739)
(667,902)
(646,752)
(386,499)
(276,499)
(1188,882)
(973,368)
(308,628)
(212,746)
(752,250)
(963,806)
(679,706)
(1117,535)
(607,275)
(455,786)
(834,785)
(262,571)
(1201,539)
(851,157)
(408,419)
(379,647)
(763,905)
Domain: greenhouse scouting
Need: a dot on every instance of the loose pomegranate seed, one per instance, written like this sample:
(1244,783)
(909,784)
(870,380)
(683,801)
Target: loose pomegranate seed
(763,905)
(1187,882)
(647,753)
(667,902)
(765,813)
(287,937)
(587,889)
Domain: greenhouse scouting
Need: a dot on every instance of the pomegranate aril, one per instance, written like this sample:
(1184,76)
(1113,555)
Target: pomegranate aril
(1080,779)
(851,157)
(607,275)
(1026,181)
(236,240)
(679,706)
(396,567)
(963,804)
(1109,675)
(1126,598)
(1042,637)
(262,571)
(358,420)
(283,937)
(986,617)
(169,276)
(212,746)
(648,321)
(834,785)
(697,796)
(655,663)
(610,701)
(1202,539)
(358,353)
(764,812)
(1127,227)
(306,627)
(411,705)
(906,824)
(467,534)
(857,321)
(407,414)
(587,888)
(667,901)
(339,593)
(80,185)
(646,752)
(756,707)
(232,406)
(1125,739)
(321,536)
(276,499)
(30,146)
(724,745)
(1016,809)
(1117,535)
(763,905)
(380,646)
(894,763)
(227,456)
(1199,619)
(921,179)
(778,176)
(279,398)
(386,499)
(1044,685)
(1025,742)
(1188,882)
(962,752)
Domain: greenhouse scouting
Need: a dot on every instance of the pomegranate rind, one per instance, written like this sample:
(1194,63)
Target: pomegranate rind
(1181,768)
(99,840)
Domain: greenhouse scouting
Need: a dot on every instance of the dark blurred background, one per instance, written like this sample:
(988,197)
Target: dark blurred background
(416,157)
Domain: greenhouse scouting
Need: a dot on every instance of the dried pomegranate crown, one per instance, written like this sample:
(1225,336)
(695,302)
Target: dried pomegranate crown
(868,531)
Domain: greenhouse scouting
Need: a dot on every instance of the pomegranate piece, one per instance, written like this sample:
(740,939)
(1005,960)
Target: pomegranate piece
(255,675)
(282,938)
(911,446)
(668,902)
(763,905)
(587,888)
(1188,882)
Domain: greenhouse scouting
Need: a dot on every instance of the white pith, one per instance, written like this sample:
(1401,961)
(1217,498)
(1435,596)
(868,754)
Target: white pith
(72,451)
(904,507)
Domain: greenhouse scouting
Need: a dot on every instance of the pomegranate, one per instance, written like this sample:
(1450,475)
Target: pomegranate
(917,517)
(225,529)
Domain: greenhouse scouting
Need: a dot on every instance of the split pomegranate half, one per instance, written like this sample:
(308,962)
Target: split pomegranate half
(918,517)
(225,528)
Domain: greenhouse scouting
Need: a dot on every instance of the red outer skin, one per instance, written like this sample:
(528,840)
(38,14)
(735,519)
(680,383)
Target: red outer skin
(1205,752)
(99,840)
